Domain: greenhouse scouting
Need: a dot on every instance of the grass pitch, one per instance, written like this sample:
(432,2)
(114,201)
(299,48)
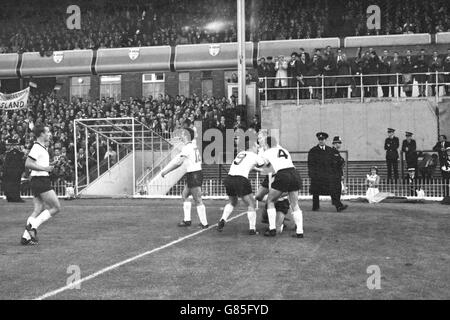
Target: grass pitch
(410,243)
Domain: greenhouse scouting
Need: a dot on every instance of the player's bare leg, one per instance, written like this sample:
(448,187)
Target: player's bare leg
(227,210)
(29,235)
(186,207)
(201,210)
(261,193)
(271,212)
(251,212)
(296,213)
(49,200)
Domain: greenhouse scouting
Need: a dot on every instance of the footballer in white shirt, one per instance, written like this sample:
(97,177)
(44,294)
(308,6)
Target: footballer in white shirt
(286,179)
(190,155)
(238,186)
(46,203)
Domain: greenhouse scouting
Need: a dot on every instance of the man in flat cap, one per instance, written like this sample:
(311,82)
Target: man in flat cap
(409,148)
(12,171)
(337,173)
(391,145)
(319,169)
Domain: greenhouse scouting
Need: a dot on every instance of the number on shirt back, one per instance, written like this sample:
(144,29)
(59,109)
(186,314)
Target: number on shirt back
(282,154)
(239,158)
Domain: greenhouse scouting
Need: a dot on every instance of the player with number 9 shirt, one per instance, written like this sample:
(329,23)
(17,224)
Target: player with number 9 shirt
(238,186)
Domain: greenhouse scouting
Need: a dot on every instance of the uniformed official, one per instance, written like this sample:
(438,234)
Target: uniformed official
(337,173)
(412,182)
(409,148)
(12,172)
(391,145)
(319,169)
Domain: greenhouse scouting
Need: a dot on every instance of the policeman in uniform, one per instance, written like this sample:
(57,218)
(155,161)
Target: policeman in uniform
(337,173)
(391,145)
(412,182)
(319,169)
(409,148)
(12,172)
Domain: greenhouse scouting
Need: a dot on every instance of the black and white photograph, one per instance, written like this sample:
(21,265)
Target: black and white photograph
(227,155)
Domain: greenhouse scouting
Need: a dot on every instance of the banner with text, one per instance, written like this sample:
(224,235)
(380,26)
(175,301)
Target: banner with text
(16,100)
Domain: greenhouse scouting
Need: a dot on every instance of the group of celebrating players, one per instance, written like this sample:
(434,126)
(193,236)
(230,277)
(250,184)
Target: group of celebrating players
(261,155)
(264,155)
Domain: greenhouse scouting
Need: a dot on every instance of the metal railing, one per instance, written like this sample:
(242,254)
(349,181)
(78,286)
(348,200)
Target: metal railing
(25,190)
(355,187)
(321,87)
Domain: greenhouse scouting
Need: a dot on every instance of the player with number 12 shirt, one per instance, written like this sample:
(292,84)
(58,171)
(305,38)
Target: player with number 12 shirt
(194,179)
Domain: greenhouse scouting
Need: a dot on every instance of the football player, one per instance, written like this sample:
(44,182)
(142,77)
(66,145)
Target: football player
(194,179)
(238,186)
(46,203)
(286,179)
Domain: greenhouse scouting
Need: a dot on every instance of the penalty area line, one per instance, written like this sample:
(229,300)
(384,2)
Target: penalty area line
(119,264)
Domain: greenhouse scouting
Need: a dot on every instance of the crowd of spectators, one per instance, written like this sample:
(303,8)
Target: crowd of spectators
(396,71)
(163,114)
(41,26)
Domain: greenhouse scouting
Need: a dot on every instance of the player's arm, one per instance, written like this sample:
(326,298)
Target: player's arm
(173,166)
(32,165)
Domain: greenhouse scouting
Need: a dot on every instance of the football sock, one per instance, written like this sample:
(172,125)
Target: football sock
(280,219)
(44,216)
(272,214)
(201,211)
(187,210)
(227,211)
(298,218)
(26,235)
(251,215)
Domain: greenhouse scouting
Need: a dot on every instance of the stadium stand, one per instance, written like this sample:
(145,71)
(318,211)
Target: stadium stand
(112,24)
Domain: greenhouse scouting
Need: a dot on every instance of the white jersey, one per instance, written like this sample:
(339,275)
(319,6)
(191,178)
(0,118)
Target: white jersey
(39,154)
(279,158)
(193,158)
(244,163)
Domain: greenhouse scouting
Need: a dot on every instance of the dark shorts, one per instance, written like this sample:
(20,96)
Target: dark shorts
(194,179)
(265,182)
(287,180)
(237,186)
(40,185)
(280,206)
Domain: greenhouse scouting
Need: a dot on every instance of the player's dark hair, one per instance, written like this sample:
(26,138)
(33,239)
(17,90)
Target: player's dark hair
(271,141)
(38,129)
(191,133)
(187,123)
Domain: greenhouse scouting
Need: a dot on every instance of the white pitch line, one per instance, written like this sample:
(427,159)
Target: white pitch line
(117,265)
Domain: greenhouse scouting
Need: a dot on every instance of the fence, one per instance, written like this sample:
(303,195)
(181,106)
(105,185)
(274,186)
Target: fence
(360,86)
(356,187)
(25,190)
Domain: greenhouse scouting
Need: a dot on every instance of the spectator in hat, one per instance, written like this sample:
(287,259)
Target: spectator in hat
(408,69)
(391,145)
(337,175)
(413,183)
(383,68)
(319,169)
(409,149)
